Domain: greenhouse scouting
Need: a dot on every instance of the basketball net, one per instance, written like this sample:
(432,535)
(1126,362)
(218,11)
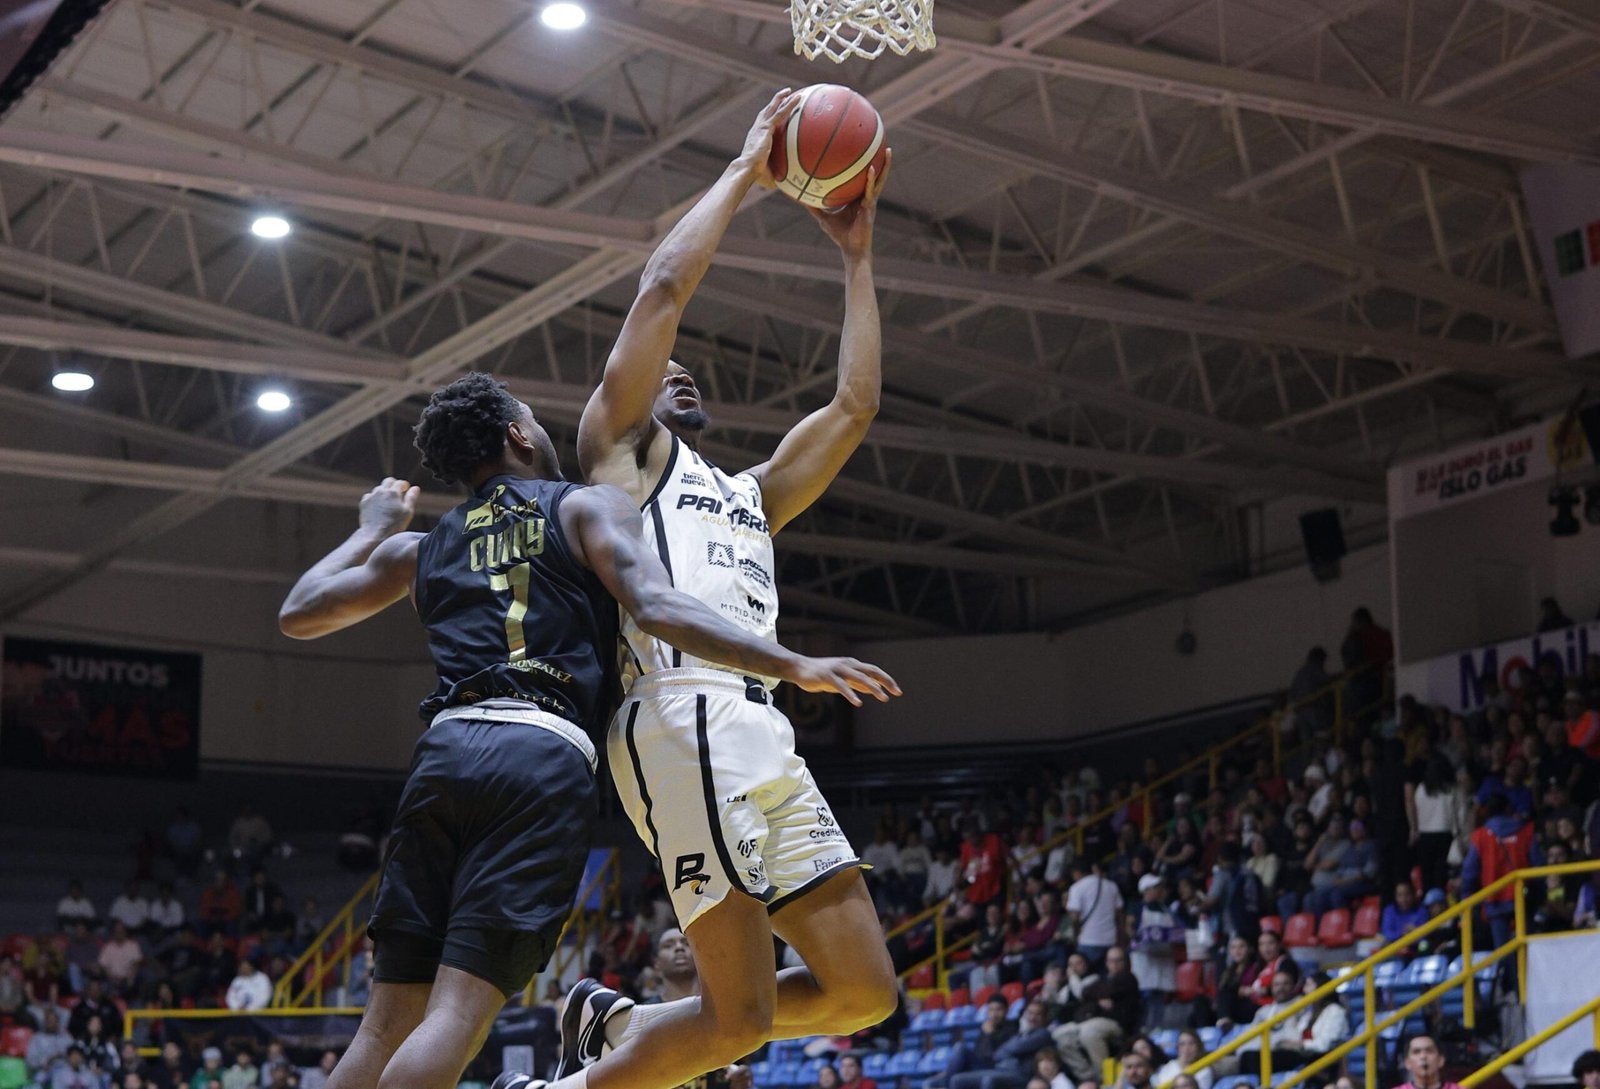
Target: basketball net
(838,29)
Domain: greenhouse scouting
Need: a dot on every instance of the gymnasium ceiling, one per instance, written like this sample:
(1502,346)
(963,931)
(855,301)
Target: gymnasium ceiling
(1157,275)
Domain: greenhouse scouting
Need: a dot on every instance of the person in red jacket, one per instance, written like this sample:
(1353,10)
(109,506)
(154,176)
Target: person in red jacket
(982,865)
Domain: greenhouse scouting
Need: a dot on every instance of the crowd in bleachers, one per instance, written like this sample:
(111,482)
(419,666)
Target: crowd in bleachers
(1106,921)
(171,943)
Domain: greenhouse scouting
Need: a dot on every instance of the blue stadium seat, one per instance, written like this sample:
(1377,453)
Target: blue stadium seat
(784,1074)
(875,1064)
(1235,1081)
(934,1062)
(963,1016)
(1417,977)
(945,1037)
(1015,1010)
(927,1020)
(903,1064)
(1235,1031)
(1165,1039)
(1210,1036)
(761,1073)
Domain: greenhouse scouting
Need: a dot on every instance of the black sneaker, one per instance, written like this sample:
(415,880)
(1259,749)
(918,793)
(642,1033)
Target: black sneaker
(588,1007)
(510,1079)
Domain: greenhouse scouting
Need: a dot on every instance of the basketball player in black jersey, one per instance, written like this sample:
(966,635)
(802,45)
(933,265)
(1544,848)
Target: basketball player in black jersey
(518,589)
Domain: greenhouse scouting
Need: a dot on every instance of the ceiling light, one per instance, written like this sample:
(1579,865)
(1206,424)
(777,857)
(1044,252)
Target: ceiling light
(273,400)
(269,227)
(72,381)
(563,16)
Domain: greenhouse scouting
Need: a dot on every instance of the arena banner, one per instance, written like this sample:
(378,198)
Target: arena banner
(1524,456)
(304,1036)
(83,707)
(1456,680)
(1564,209)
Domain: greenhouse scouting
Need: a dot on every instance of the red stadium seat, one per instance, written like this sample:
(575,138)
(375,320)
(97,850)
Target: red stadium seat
(934,1000)
(1189,981)
(983,994)
(14,1041)
(1013,991)
(1033,988)
(1300,931)
(921,979)
(1369,916)
(1272,923)
(960,997)
(1333,930)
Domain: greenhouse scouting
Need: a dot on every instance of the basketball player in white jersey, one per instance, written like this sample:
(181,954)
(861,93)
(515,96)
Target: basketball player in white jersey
(704,763)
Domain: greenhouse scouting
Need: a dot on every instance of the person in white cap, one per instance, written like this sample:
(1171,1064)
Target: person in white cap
(1156,935)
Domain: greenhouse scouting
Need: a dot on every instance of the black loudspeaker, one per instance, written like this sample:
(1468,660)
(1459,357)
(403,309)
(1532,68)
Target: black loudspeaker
(1324,539)
(1589,420)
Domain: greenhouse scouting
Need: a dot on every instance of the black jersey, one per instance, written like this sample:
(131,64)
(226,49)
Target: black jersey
(510,613)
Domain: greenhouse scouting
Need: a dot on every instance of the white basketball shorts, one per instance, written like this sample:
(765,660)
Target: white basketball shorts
(706,770)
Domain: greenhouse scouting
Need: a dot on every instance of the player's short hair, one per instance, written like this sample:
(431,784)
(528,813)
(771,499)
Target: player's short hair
(464,426)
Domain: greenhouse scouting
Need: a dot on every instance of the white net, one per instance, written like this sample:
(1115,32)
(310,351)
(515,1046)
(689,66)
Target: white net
(838,29)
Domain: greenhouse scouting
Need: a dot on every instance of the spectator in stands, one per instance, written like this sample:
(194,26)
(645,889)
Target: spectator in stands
(307,927)
(1094,906)
(48,1046)
(256,900)
(1190,1051)
(74,907)
(170,1071)
(1108,1015)
(1136,1072)
(1368,648)
(184,845)
(1263,862)
(220,905)
(131,908)
(94,1003)
(1442,939)
(250,989)
(82,954)
(274,1060)
(1402,916)
(1554,900)
(1424,1063)
(1048,1072)
(14,993)
(1012,1061)
(249,838)
(210,1069)
(99,1045)
(915,862)
(166,911)
(278,928)
(978,1049)
(1551,618)
(1583,729)
(1502,843)
(1329,1022)
(316,1077)
(120,959)
(243,1073)
(1286,1038)
(988,948)
(1586,1070)
(827,1077)
(1236,994)
(1154,946)
(1433,816)
(1312,716)
(1078,975)
(982,864)
(1273,959)
(75,1073)
(941,877)
(1355,876)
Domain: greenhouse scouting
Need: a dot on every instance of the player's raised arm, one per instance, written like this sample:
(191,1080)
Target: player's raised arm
(608,531)
(366,574)
(618,422)
(814,451)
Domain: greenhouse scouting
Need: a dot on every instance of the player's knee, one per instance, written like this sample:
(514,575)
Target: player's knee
(869,1003)
(737,1029)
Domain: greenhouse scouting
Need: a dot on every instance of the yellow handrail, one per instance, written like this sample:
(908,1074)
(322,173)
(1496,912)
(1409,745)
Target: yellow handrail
(1590,1008)
(1517,945)
(343,922)
(1146,796)
(199,1015)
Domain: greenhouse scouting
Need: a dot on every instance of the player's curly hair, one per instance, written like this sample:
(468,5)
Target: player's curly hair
(464,426)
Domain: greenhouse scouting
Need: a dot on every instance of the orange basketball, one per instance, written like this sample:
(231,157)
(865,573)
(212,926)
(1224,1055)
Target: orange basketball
(820,155)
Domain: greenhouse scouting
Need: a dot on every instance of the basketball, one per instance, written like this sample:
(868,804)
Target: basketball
(820,155)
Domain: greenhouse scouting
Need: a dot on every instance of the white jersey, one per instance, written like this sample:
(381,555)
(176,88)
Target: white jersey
(711,534)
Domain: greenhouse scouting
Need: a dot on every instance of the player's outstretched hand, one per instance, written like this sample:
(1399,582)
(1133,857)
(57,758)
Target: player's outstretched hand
(758,142)
(389,508)
(850,227)
(846,676)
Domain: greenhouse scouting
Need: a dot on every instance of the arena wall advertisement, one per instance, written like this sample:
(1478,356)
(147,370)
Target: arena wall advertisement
(83,707)
(1524,456)
(1456,680)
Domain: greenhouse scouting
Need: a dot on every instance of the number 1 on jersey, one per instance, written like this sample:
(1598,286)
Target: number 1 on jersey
(514,579)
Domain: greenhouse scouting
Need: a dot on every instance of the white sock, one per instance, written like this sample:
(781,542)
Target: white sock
(625,1026)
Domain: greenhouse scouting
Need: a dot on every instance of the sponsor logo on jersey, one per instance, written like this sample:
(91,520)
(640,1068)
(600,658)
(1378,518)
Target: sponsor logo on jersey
(707,503)
(491,511)
(740,518)
(826,833)
(695,480)
(755,605)
(819,865)
(757,873)
(756,573)
(719,554)
(824,818)
(746,847)
(691,872)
